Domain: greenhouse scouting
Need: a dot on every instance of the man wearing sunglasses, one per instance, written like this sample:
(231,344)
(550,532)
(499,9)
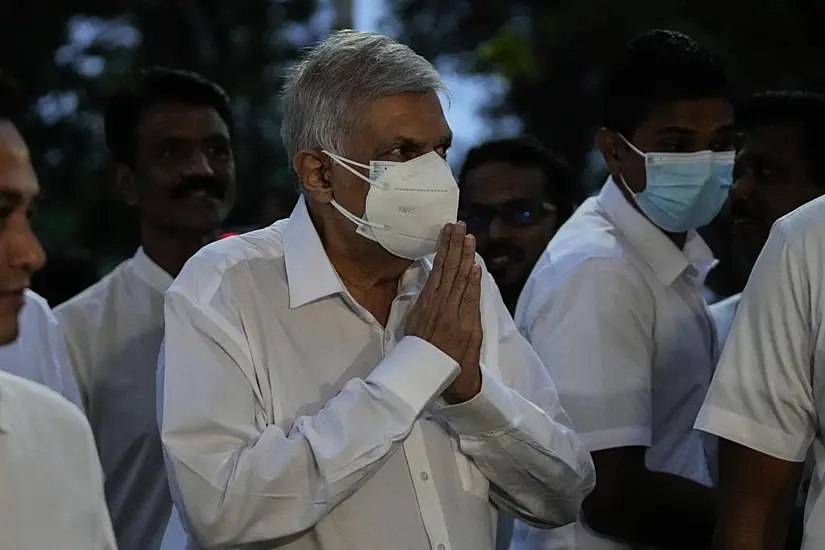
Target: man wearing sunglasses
(515,194)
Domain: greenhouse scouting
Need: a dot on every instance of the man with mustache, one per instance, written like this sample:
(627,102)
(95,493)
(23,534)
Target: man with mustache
(515,194)
(779,168)
(171,139)
(51,493)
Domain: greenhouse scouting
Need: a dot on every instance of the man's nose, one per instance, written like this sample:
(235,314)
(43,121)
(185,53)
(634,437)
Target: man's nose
(498,230)
(26,253)
(199,165)
(742,187)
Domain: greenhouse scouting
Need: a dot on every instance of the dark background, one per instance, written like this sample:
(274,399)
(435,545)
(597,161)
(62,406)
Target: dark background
(72,54)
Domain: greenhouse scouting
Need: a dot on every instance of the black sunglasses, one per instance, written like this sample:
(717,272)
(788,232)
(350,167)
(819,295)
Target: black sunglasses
(514,214)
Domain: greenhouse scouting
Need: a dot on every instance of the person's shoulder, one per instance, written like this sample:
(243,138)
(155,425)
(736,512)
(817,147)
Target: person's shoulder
(804,228)
(205,270)
(587,235)
(39,401)
(91,299)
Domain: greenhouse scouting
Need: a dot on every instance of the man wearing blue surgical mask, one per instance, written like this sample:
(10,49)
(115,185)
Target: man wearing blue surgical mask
(615,310)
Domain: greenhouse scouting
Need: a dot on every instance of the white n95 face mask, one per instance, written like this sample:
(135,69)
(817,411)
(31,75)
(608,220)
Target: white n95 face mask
(408,203)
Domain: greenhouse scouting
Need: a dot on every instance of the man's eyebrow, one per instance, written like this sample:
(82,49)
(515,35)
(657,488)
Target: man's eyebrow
(675,130)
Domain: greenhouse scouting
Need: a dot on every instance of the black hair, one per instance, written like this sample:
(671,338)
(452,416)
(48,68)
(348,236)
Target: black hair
(527,151)
(806,110)
(659,67)
(154,86)
(12,104)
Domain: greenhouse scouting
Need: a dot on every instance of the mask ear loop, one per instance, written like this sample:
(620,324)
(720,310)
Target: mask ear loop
(633,148)
(344,163)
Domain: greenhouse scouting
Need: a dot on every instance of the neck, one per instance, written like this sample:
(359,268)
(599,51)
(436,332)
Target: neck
(368,272)
(169,249)
(362,264)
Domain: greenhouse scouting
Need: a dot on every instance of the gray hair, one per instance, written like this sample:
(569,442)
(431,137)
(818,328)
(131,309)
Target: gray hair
(323,92)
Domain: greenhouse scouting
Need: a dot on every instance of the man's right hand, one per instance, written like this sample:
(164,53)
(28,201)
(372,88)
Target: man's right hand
(447,313)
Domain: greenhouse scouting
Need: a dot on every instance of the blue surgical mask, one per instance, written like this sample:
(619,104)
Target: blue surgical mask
(684,191)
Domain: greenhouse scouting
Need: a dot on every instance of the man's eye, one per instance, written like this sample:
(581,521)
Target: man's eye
(219,150)
(672,147)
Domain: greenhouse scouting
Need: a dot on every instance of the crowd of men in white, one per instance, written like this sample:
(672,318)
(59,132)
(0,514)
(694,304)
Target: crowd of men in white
(351,378)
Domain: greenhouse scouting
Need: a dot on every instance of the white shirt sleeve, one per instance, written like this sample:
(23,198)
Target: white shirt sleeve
(592,327)
(761,395)
(242,478)
(519,436)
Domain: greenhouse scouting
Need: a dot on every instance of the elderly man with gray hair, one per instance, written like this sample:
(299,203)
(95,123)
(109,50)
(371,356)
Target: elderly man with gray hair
(349,378)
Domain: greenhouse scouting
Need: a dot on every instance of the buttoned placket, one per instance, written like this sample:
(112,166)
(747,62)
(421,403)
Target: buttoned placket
(415,450)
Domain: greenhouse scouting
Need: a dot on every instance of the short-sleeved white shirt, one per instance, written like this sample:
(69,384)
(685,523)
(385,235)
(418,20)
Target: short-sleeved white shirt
(768,393)
(39,353)
(113,332)
(616,312)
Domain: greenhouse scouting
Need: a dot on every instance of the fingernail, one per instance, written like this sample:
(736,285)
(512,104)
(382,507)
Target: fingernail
(448,229)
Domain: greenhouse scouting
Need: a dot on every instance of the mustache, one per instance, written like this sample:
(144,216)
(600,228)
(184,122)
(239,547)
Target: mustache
(210,185)
(739,210)
(495,249)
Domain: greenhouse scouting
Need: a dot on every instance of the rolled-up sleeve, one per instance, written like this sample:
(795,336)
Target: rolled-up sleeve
(518,435)
(762,394)
(244,478)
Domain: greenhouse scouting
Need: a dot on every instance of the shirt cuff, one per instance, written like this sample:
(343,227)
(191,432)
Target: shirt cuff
(492,409)
(415,371)
(744,431)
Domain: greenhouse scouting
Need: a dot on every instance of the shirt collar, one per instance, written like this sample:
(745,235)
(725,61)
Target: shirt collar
(310,275)
(150,272)
(656,249)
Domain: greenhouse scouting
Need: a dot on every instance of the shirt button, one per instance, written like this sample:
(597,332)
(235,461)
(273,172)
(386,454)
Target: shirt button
(692,271)
(442,547)
(425,477)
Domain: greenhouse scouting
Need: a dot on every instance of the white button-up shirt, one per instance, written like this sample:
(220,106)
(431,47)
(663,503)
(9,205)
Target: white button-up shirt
(615,311)
(51,486)
(768,393)
(39,353)
(114,330)
(292,419)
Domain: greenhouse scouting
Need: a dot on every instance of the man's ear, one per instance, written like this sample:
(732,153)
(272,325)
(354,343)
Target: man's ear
(312,168)
(125,183)
(609,142)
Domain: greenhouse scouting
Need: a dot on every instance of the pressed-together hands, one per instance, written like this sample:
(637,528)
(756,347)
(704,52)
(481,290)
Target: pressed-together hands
(447,313)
